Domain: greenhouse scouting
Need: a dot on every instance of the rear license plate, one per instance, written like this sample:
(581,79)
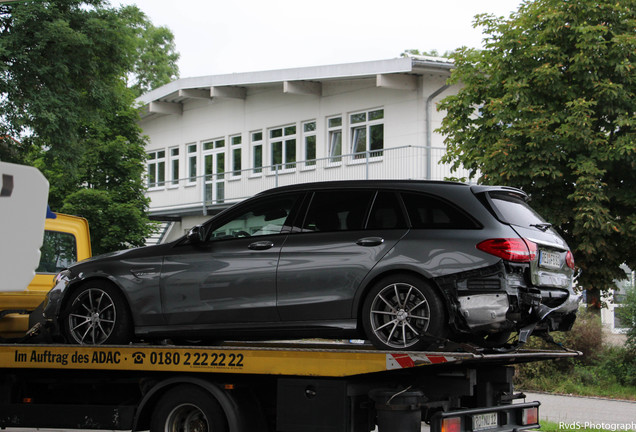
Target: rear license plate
(550,260)
(484,421)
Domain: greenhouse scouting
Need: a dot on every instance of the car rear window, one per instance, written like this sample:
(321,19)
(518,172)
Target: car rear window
(428,212)
(386,212)
(513,209)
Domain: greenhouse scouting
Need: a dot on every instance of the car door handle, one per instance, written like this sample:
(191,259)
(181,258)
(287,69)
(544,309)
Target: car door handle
(261,245)
(370,241)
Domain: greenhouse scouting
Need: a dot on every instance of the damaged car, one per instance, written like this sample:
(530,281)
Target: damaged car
(403,264)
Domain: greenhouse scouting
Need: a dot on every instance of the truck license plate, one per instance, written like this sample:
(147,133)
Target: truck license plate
(484,421)
(550,260)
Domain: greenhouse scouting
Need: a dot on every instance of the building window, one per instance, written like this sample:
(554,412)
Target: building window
(283,145)
(334,134)
(257,152)
(214,170)
(214,159)
(192,163)
(156,168)
(367,133)
(174,166)
(235,146)
(309,142)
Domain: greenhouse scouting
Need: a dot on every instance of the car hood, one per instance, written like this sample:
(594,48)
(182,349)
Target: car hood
(141,252)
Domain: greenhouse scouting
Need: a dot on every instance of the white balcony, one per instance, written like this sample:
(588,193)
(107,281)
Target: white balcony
(221,189)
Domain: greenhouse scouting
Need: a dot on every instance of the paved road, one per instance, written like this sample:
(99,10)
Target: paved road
(574,410)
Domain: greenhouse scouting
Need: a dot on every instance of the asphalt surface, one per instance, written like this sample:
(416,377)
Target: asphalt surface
(574,412)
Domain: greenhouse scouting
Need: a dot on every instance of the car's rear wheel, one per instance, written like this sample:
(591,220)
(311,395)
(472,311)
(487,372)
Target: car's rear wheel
(403,312)
(97,314)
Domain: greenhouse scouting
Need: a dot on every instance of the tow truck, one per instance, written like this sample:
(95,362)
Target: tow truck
(304,386)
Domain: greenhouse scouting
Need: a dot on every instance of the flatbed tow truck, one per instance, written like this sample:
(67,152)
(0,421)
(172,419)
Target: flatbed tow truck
(252,386)
(239,387)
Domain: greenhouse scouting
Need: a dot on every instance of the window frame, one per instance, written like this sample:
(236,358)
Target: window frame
(174,161)
(367,125)
(309,163)
(236,154)
(335,159)
(156,161)
(284,139)
(257,170)
(192,156)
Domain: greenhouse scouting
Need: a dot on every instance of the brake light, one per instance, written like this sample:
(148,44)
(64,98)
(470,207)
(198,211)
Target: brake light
(569,260)
(530,416)
(452,424)
(510,249)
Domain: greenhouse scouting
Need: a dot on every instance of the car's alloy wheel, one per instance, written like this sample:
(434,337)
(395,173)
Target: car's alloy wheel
(400,312)
(96,315)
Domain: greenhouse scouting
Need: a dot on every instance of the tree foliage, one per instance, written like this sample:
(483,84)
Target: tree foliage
(64,70)
(431,53)
(549,106)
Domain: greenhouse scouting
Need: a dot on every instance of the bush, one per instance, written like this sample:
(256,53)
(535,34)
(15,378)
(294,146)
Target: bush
(602,370)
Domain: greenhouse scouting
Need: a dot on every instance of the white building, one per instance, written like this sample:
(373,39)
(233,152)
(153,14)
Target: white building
(215,140)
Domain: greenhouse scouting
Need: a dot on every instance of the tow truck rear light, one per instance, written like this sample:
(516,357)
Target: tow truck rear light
(569,260)
(452,424)
(530,416)
(510,249)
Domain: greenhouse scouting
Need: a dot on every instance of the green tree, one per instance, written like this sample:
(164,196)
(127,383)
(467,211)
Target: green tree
(64,69)
(627,314)
(155,62)
(549,106)
(431,53)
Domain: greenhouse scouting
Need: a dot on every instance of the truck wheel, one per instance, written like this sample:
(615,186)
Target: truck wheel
(188,408)
(399,309)
(97,314)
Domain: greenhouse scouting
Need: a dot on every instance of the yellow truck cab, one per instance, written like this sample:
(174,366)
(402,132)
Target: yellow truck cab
(66,241)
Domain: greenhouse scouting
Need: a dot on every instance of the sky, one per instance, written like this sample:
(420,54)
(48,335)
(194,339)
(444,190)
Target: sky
(226,36)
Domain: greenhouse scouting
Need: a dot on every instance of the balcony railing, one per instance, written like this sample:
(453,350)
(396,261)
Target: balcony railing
(222,188)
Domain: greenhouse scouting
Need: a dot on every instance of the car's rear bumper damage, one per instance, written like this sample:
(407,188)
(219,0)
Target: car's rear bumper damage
(500,299)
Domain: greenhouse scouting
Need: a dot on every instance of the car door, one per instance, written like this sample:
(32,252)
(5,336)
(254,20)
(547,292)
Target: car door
(341,240)
(230,277)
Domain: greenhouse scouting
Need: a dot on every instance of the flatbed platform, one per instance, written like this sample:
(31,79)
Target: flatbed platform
(319,360)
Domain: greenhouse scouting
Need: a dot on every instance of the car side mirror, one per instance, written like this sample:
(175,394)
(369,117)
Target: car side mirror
(196,235)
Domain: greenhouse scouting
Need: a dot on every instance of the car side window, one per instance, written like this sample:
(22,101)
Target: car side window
(386,212)
(338,211)
(428,212)
(264,217)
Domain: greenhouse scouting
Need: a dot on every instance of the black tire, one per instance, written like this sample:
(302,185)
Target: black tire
(399,309)
(97,314)
(188,408)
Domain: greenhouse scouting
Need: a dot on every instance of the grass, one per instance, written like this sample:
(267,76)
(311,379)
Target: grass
(548,426)
(576,382)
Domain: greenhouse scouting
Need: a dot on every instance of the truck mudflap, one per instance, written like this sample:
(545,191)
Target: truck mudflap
(512,417)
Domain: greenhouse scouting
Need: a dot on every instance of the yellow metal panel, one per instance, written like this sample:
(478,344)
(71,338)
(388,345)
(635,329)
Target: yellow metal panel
(334,363)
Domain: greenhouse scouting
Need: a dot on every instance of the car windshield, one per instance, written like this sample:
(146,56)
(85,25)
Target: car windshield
(513,209)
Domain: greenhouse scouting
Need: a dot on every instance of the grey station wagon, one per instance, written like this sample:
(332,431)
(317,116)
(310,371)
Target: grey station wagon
(401,263)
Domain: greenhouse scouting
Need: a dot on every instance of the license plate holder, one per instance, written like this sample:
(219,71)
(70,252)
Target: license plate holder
(485,421)
(551,260)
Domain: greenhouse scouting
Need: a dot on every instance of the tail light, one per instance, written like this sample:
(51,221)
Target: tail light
(510,249)
(452,424)
(569,260)
(530,416)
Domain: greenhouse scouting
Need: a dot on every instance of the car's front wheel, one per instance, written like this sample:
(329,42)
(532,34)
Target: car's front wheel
(402,312)
(97,315)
